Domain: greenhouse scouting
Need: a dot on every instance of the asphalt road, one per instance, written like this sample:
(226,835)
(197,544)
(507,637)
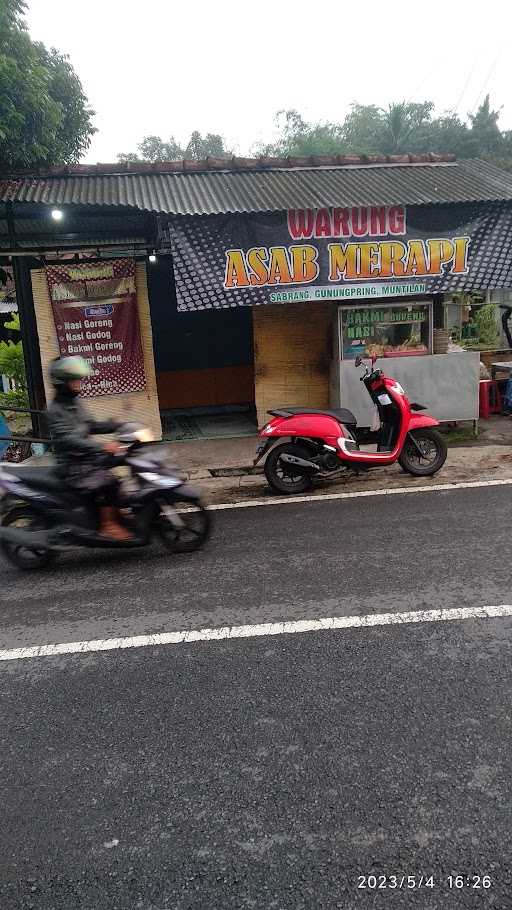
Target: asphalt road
(269,772)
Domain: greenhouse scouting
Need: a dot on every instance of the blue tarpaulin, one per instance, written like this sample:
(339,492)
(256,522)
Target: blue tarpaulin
(4,431)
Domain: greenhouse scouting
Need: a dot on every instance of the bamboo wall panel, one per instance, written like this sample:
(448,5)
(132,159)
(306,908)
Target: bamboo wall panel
(291,356)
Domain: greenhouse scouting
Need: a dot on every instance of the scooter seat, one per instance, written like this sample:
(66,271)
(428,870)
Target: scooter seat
(342,415)
(39,478)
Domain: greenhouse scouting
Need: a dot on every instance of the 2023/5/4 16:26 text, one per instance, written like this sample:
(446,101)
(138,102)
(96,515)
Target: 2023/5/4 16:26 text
(404,882)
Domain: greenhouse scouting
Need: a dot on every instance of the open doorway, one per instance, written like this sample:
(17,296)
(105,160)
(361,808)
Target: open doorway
(204,364)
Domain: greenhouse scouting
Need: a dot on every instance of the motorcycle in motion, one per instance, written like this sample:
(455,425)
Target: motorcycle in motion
(39,517)
(327,443)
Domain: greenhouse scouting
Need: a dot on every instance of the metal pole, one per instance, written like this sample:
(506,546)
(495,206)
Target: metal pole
(30,340)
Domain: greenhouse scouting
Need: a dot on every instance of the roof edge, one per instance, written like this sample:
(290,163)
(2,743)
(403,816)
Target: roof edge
(231,164)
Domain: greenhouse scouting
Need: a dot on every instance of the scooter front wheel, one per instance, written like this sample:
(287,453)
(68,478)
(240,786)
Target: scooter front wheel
(23,556)
(424,453)
(284,477)
(184,526)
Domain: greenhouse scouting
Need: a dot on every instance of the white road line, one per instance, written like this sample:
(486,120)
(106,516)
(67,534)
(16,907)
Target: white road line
(255,631)
(286,500)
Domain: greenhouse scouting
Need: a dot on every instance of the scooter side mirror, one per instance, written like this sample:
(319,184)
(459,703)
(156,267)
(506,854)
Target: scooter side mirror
(358,360)
(374,358)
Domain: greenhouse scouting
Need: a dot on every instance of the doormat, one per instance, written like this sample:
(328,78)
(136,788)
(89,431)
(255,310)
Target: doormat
(180,427)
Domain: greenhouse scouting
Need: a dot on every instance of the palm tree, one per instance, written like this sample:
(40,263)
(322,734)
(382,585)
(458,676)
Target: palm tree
(403,126)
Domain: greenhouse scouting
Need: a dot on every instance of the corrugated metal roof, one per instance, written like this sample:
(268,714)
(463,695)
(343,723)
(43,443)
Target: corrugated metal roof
(216,191)
(35,230)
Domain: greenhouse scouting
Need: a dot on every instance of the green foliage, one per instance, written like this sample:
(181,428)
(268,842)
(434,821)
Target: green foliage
(485,319)
(14,324)
(200,147)
(486,138)
(301,138)
(12,365)
(44,116)
(362,129)
(152,148)
(18,398)
(401,128)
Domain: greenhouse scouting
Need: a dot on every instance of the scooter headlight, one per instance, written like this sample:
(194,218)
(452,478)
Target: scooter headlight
(144,435)
(159,480)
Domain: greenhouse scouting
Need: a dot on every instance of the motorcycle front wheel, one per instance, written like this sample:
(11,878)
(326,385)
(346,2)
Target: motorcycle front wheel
(424,454)
(287,478)
(184,526)
(24,557)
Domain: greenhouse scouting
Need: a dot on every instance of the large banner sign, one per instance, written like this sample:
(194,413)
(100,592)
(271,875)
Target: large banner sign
(95,312)
(340,254)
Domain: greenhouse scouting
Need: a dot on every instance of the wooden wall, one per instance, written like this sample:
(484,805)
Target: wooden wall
(291,356)
(141,407)
(213,387)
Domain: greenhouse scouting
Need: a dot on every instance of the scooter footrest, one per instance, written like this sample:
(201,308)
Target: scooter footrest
(20,537)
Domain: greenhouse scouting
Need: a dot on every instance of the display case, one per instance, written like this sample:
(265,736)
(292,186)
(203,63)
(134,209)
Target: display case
(388,330)
(399,335)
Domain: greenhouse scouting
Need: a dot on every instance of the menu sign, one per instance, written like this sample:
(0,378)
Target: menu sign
(95,312)
(395,330)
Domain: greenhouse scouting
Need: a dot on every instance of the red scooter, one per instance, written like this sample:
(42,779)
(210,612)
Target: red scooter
(327,443)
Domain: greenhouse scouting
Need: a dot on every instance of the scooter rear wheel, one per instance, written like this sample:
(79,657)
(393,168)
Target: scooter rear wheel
(425,455)
(286,478)
(26,519)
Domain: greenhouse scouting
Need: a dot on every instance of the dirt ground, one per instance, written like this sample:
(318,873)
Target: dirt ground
(463,464)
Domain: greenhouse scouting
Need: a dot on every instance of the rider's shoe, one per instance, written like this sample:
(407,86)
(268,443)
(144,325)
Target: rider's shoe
(111,528)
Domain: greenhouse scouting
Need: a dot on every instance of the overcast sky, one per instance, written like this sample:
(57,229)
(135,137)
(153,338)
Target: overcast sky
(167,68)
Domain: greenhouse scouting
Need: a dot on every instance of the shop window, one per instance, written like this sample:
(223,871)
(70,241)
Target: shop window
(387,330)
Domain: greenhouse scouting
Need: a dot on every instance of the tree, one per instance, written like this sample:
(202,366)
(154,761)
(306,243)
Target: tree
(503,157)
(366,130)
(402,128)
(301,138)
(44,115)
(448,134)
(152,148)
(211,145)
(405,126)
(486,138)
(362,129)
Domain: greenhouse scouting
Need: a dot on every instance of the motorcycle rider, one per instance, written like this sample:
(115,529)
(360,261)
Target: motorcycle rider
(80,459)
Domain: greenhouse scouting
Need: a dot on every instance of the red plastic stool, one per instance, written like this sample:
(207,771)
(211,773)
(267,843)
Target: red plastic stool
(489,398)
